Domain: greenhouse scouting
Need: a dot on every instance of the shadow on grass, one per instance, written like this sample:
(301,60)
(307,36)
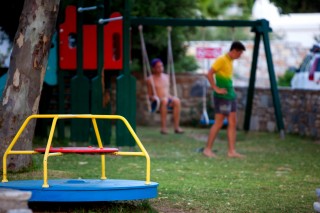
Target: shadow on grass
(128,206)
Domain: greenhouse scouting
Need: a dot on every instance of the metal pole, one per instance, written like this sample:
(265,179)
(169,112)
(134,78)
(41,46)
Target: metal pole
(81,9)
(103,21)
(191,22)
(79,42)
(126,37)
(273,82)
(126,86)
(252,80)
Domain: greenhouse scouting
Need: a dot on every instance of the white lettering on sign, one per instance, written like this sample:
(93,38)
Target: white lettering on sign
(208,52)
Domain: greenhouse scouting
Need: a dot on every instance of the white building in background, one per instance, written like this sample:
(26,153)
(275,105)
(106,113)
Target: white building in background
(292,37)
(300,28)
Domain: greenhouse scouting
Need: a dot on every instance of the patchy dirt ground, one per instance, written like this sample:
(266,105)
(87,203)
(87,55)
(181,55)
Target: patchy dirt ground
(164,207)
(154,206)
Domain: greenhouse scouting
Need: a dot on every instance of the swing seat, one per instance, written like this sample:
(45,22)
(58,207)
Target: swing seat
(79,150)
(212,121)
(155,106)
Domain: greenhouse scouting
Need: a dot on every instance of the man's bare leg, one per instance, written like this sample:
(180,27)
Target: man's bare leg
(163,114)
(176,115)
(231,132)
(212,135)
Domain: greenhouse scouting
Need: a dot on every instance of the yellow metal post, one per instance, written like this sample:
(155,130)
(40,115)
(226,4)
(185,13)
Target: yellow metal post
(4,160)
(47,153)
(103,161)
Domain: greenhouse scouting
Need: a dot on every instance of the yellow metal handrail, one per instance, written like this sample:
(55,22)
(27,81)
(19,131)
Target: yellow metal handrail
(47,154)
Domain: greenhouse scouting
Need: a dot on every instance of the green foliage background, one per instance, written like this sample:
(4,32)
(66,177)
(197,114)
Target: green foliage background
(285,80)
(155,36)
(302,6)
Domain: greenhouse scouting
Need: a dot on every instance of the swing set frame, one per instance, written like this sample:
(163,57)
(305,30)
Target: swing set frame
(154,105)
(261,29)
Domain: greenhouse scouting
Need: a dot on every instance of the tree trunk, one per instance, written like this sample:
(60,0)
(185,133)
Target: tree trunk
(25,77)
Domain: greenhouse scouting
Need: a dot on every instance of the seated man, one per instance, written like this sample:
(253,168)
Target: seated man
(161,84)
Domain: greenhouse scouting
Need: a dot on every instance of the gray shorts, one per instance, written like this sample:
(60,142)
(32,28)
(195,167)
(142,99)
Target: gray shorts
(224,106)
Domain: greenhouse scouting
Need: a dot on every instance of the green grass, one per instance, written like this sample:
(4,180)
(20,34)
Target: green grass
(278,175)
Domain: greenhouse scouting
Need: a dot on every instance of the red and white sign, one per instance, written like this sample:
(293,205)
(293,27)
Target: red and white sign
(208,52)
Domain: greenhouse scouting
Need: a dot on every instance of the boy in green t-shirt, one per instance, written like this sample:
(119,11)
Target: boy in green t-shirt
(220,78)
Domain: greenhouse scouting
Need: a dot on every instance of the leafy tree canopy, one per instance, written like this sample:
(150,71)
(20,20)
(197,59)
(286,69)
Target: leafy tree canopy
(9,16)
(302,6)
(155,36)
